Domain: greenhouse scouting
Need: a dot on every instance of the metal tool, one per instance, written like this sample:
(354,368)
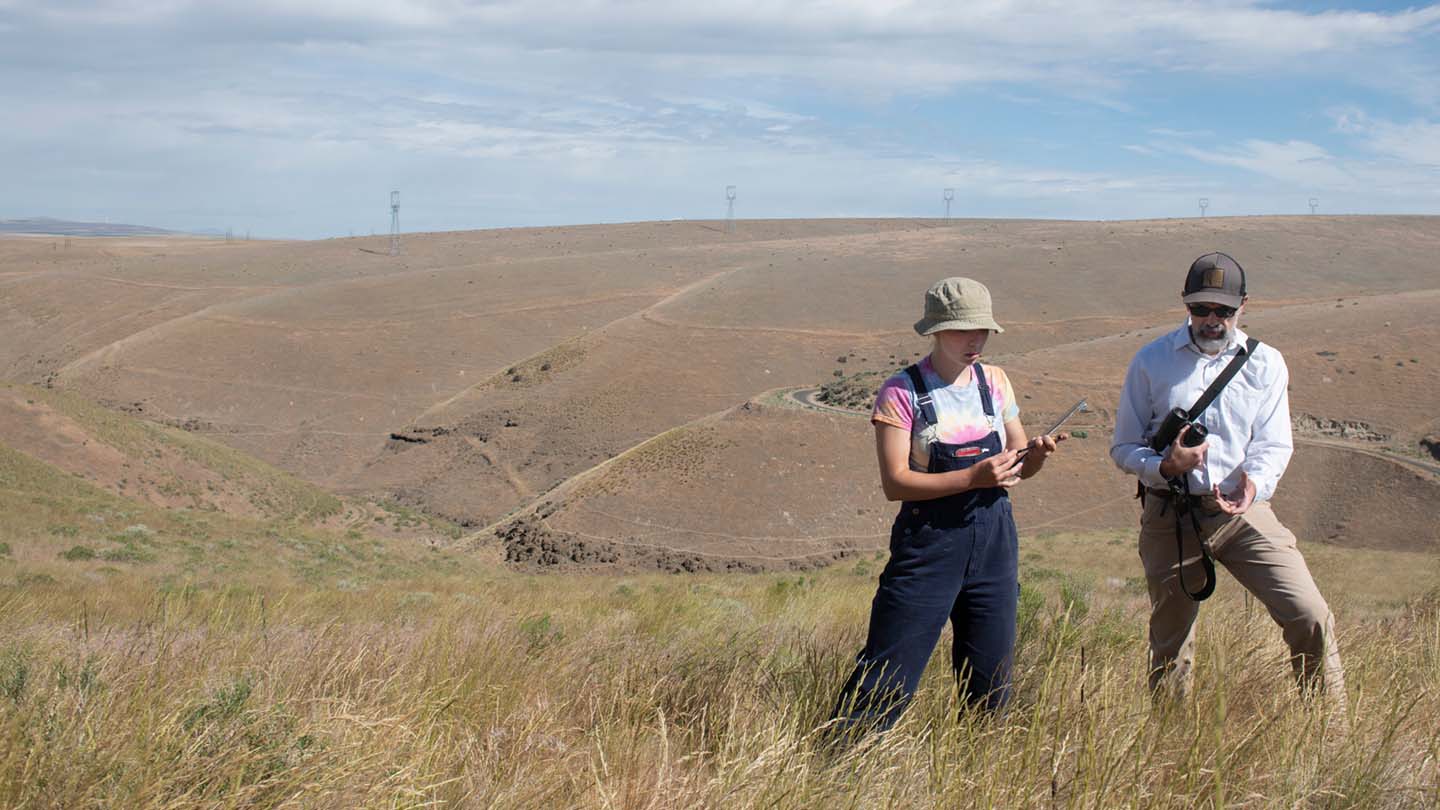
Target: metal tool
(1079,407)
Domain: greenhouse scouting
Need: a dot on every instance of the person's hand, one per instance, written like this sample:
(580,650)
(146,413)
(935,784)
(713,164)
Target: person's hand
(1237,503)
(997,471)
(1036,451)
(1182,459)
(1040,447)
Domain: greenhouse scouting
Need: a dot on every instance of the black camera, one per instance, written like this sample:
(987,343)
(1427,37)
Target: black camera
(1170,428)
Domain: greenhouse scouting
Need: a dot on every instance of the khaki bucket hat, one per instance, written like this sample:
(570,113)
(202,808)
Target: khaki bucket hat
(956,303)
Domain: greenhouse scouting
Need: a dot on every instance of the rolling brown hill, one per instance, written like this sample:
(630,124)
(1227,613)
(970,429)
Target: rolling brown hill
(613,395)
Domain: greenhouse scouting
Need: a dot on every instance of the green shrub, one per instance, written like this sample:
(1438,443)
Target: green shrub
(1027,615)
(539,632)
(14,673)
(126,553)
(1074,600)
(227,702)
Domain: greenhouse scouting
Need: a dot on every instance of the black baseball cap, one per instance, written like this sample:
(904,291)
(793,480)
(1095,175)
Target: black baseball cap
(1215,278)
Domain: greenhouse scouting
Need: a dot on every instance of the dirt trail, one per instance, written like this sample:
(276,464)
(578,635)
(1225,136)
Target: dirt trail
(671,296)
(109,351)
(557,493)
(181,287)
(510,477)
(297,389)
(773,330)
(805,398)
(1409,462)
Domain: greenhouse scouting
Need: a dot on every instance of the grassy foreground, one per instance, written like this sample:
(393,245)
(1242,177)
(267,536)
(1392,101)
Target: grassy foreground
(489,689)
(154,658)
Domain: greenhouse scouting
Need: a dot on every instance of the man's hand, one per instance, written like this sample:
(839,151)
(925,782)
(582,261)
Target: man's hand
(997,471)
(1236,504)
(1182,459)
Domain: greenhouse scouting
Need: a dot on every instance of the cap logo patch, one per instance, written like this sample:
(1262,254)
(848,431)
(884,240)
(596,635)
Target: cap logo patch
(1214,277)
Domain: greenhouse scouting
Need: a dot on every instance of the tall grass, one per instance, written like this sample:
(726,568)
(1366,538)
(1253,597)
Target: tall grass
(496,690)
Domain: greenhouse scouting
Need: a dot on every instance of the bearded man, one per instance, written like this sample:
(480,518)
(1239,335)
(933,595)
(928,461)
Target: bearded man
(1210,499)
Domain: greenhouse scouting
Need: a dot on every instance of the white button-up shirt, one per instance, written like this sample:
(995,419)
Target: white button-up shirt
(1249,422)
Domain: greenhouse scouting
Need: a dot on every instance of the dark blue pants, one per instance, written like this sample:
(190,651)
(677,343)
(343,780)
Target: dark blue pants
(953,558)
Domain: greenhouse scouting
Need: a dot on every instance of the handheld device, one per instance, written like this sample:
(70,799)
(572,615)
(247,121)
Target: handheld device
(1079,407)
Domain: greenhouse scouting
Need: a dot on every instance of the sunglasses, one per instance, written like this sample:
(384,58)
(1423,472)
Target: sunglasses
(1205,310)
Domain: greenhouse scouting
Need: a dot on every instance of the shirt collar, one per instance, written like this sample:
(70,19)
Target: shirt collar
(1180,339)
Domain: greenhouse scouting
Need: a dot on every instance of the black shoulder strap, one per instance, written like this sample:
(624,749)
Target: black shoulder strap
(985,401)
(1220,382)
(923,400)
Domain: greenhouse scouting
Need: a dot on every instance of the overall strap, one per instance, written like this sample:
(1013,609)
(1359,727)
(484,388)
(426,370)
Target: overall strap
(923,400)
(985,401)
(926,403)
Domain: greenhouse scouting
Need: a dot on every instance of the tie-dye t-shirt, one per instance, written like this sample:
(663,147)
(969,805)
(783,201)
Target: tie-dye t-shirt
(958,410)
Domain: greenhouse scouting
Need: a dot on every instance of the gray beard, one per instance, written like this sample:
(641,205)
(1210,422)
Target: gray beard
(1210,345)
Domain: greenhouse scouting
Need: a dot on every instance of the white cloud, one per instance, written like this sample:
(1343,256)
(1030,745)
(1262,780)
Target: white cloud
(1416,142)
(1401,170)
(1181,134)
(875,45)
(1299,163)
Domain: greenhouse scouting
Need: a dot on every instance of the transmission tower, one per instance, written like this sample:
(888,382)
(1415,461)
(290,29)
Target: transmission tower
(949,195)
(1314,204)
(1204,203)
(394,223)
(730,209)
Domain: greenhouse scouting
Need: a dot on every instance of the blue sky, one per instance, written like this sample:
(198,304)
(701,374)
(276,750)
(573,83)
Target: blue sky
(296,119)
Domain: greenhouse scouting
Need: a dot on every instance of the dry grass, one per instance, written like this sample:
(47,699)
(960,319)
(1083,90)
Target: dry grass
(196,660)
(496,690)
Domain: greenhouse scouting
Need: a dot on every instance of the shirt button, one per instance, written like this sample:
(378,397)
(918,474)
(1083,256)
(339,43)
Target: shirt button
(914,510)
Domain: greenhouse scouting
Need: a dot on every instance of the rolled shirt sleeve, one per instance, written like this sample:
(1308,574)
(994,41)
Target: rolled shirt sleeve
(1129,447)
(1271,444)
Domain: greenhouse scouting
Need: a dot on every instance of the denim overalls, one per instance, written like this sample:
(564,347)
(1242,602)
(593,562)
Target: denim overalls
(954,557)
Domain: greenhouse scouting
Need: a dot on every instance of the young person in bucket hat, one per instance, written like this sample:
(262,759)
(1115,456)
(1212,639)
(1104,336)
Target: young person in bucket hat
(948,437)
(1212,500)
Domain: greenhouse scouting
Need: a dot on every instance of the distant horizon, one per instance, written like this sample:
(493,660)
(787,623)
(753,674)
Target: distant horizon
(157,231)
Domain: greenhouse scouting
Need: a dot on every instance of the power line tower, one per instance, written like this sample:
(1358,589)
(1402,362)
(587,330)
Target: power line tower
(394,223)
(949,195)
(1204,203)
(730,209)
(1314,204)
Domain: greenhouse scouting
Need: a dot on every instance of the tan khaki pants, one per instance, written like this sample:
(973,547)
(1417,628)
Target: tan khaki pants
(1261,554)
